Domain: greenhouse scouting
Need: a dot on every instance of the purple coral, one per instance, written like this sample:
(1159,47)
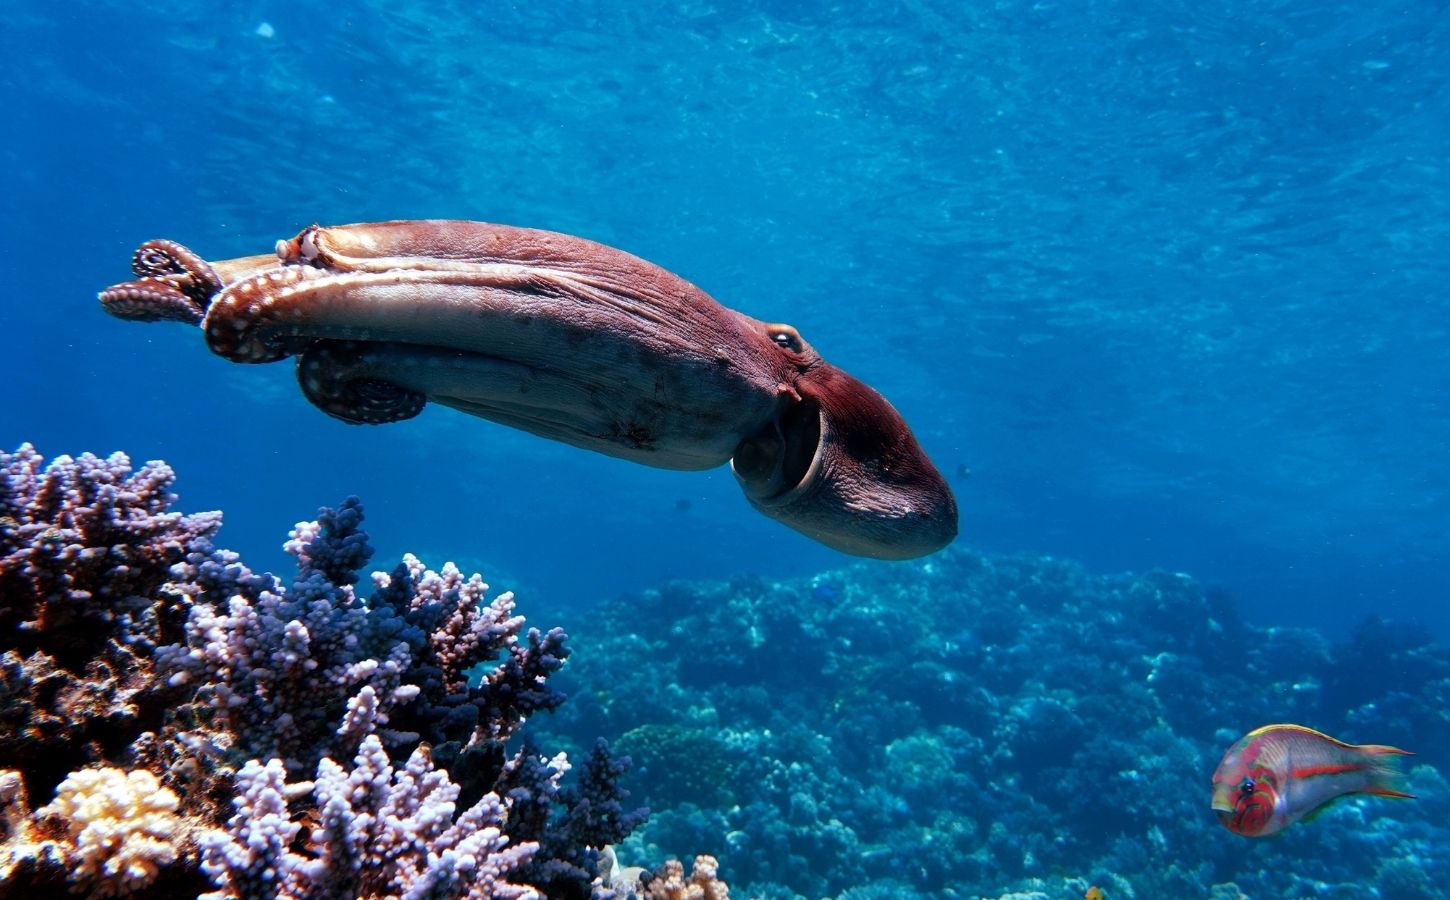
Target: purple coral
(282,667)
(571,824)
(307,671)
(85,544)
(463,632)
(227,682)
(383,831)
(84,547)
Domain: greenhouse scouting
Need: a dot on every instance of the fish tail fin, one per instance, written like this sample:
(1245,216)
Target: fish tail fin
(1387,775)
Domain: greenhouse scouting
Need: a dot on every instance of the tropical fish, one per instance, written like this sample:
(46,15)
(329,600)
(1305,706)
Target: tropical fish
(1278,774)
(1093,893)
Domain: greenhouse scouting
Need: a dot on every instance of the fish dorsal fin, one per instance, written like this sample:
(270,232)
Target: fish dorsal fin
(1285,726)
(1371,749)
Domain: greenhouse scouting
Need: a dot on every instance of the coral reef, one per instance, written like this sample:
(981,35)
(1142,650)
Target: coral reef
(593,816)
(380,832)
(86,545)
(669,882)
(153,677)
(121,828)
(979,726)
(963,726)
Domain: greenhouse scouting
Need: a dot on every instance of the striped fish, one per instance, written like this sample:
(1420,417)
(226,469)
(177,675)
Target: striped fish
(1276,775)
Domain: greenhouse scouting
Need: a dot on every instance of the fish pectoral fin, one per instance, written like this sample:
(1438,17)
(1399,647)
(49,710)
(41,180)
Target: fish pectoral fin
(1318,811)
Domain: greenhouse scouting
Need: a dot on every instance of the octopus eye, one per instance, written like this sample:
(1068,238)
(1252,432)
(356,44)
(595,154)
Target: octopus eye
(786,337)
(310,250)
(301,249)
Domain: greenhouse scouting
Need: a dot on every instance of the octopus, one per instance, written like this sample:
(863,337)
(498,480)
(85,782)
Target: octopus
(570,340)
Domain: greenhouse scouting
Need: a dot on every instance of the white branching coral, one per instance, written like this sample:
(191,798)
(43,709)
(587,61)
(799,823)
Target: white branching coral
(381,831)
(122,828)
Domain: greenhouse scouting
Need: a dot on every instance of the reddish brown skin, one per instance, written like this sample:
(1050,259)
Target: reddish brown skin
(571,340)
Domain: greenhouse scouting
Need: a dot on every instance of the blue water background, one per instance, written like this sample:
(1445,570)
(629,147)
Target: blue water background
(1156,284)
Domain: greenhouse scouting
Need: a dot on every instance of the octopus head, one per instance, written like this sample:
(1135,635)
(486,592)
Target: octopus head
(839,464)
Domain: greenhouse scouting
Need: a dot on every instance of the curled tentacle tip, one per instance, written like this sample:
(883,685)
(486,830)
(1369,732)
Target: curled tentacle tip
(183,269)
(334,377)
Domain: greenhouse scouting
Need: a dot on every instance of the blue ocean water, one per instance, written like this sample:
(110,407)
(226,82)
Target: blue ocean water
(1156,285)
(1166,283)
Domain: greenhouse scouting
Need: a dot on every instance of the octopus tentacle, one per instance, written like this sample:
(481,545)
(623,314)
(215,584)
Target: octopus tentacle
(150,300)
(194,275)
(256,319)
(174,285)
(273,314)
(328,372)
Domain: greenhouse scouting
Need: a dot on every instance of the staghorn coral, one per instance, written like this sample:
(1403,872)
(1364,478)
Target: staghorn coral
(251,684)
(452,632)
(313,671)
(84,545)
(296,672)
(281,666)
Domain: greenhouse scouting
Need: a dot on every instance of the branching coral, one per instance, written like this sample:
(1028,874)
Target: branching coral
(669,882)
(85,547)
(122,828)
(250,685)
(380,832)
(463,632)
(571,823)
(299,672)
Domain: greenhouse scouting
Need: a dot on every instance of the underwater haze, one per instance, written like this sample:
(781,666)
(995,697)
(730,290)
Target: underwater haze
(1158,286)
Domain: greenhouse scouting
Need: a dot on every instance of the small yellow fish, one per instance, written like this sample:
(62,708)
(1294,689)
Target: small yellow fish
(1093,893)
(1276,775)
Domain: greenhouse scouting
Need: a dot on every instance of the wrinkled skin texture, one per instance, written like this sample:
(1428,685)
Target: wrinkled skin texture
(570,340)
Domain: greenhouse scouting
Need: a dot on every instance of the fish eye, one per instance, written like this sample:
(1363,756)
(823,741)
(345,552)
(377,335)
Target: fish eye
(1247,787)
